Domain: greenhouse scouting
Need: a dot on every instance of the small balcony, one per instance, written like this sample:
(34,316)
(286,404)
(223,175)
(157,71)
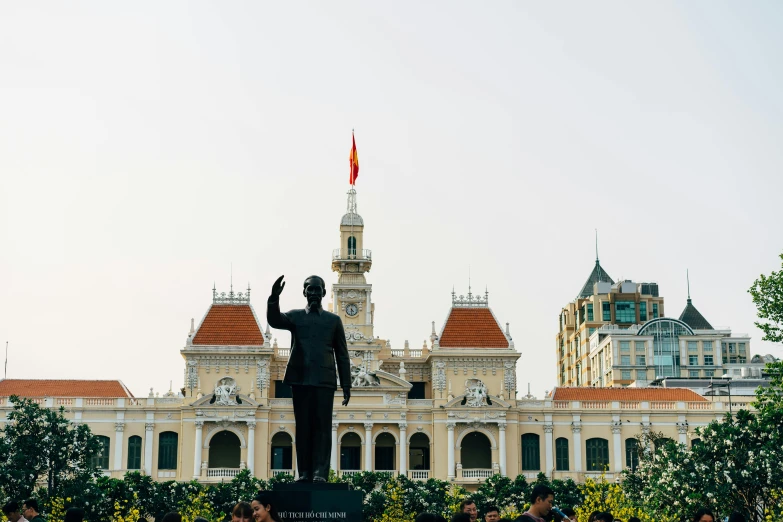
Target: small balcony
(473,474)
(223,472)
(419,474)
(351,254)
(349,472)
(276,472)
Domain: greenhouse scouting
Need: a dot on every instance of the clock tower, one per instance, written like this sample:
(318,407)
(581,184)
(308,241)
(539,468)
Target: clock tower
(352,295)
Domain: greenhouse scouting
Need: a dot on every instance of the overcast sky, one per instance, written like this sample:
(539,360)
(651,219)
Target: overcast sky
(145,147)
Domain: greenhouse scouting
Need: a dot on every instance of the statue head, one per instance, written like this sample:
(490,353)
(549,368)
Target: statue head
(314,290)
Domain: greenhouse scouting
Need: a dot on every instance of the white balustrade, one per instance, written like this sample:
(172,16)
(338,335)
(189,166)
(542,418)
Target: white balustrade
(223,472)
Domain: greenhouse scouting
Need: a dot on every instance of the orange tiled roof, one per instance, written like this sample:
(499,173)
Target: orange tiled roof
(584,393)
(229,325)
(472,328)
(62,388)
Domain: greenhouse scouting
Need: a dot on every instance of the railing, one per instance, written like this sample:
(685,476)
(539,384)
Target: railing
(419,474)
(594,405)
(223,472)
(420,403)
(349,472)
(99,401)
(399,352)
(352,253)
(699,406)
(64,401)
(562,405)
(167,474)
(283,352)
(658,405)
(477,473)
(275,472)
(629,405)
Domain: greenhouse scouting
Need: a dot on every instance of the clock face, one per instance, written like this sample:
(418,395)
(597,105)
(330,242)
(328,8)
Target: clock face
(351,310)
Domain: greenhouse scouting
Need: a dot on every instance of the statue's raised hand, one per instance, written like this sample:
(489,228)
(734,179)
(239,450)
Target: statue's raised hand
(277,288)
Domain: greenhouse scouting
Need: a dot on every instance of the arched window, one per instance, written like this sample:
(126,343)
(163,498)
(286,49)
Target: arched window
(351,246)
(531,460)
(282,452)
(561,454)
(695,442)
(225,450)
(384,452)
(631,453)
(350,452)
(101,458)
(597,454)
(476,451)
(662,442)
(168,442)
(134,452)
(420,451)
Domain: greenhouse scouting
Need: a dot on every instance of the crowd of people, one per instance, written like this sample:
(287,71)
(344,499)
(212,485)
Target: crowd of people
(261,509)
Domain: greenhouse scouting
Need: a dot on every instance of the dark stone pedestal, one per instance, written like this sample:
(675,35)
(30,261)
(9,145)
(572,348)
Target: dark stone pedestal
(303,502)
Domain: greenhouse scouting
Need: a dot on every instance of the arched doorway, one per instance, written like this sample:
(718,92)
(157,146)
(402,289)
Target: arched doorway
(476,452)
(224,450)
(419,456)
(384,452)
(350,452)
(282,453)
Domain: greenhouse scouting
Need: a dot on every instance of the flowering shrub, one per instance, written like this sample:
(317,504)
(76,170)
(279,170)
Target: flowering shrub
(606,496)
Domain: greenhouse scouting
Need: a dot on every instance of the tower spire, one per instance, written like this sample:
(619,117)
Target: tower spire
(596,246)
(688,279)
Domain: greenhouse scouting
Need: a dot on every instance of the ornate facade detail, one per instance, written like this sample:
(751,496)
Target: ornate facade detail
(617,427)
(576,427)
(475,393)
(225,392)
(509,379)
(149,426)
(335,425)
(502,426)
(251,425)
(682,428)
(402,426)
(451,425)
(392,398)
(262,374)
(549,428)
(469,301)
(368,426)
(231,297)
(119,426)
(360,377)
(646,427)
(199,424)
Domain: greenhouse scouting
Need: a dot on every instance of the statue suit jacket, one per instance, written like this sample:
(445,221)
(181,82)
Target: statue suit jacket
(317,339)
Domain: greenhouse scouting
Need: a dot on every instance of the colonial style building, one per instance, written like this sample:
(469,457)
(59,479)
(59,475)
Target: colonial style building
(448,409)
(616,334)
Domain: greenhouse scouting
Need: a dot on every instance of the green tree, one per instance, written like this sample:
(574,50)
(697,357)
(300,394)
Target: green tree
(40,444)
(767,292)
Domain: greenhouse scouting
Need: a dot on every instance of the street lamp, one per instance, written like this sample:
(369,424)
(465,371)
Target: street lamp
(724,384)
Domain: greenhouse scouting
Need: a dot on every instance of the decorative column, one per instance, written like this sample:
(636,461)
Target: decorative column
(118,444)
(251,446)
(548,443)
(576,428)
(451,474)
(335,425)
(368,444)
(502,428)
(149,430)
(403,448)
(199,424)
(618,445)
(368,309)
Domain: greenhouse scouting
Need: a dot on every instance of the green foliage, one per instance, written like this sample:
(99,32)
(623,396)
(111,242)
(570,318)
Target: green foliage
(41,444)
(767,293)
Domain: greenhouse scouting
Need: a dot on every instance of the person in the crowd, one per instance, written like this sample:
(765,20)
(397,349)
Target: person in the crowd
(703,515)
(429,517)
(242,512)
(461,517)
(30,511)
(604,517)
(571,514)
(737,517)
(200,519)
(504,519)
(173,516)
(491,514)
(469,507)
(12,512)
(263,510)
(74,514)
(634,519)
(541,500)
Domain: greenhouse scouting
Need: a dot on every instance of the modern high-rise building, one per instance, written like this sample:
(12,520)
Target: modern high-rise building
(617,334)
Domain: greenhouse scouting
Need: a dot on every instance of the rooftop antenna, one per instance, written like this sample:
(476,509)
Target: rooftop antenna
(231,277)
(688,278)
(5,374)
(596,245)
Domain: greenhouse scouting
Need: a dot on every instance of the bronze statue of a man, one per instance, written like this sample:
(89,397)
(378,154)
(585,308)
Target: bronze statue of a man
(317,339)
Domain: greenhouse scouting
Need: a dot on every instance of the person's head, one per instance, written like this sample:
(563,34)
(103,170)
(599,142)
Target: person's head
(429,517)
(172,516)
(571,514)
(491,514)
(634,519)
(604,517)
(469,507)
(737,517)
(314,290)
(242,512)
(30,508)
(74,514)
(460,517)
(704,515)
(592,516)
(263,510)
(200,519)
(11,511)
(541,499)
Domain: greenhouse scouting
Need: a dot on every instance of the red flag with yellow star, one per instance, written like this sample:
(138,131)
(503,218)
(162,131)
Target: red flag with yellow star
(353,159)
